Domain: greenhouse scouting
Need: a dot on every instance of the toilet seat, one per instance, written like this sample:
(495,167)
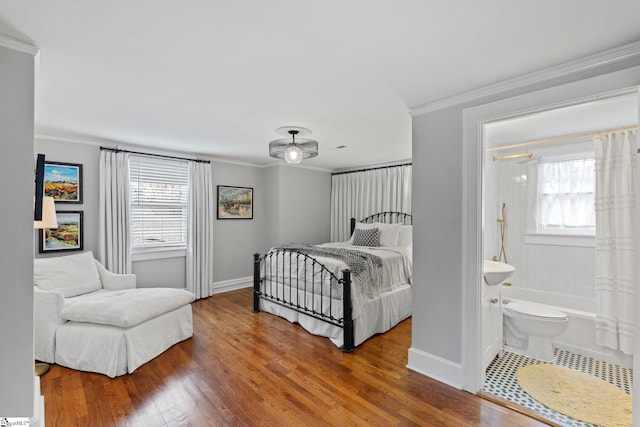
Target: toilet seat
(532,310)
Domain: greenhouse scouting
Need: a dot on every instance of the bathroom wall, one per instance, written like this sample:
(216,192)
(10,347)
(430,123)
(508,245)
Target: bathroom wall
(549,271)
(491,207)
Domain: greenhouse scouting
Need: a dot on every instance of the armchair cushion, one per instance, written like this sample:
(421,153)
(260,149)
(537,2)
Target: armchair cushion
(115,282)
(70,275)
(125,308)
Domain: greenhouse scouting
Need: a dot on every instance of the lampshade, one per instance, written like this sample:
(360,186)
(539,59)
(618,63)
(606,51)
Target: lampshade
(49,219)
(293,149)
(293,154)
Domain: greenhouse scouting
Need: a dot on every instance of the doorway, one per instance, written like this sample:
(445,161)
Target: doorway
(554,265)
(474,120)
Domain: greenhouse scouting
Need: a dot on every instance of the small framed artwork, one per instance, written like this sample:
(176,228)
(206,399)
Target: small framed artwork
(67,237)
(63,181)
(235,202)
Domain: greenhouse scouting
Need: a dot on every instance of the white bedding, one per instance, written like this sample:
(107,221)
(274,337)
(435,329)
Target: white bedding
(376,316)
(312,283)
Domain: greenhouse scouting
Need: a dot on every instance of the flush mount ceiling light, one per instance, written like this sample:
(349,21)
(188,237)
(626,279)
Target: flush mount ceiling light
(294,148)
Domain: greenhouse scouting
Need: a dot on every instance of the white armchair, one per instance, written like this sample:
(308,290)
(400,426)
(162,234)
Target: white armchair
(90,319)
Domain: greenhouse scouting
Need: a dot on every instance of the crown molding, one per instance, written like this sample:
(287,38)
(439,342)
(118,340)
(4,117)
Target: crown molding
(73,140)
(17,45)
(118,144)
(589,62)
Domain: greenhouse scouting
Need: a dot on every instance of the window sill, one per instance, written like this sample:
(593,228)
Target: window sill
(587,241)
(145,254)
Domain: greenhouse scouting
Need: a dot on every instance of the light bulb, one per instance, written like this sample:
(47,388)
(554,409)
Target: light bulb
(293,154)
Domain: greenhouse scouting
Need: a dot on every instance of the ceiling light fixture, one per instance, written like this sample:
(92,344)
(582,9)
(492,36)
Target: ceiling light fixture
(293,149)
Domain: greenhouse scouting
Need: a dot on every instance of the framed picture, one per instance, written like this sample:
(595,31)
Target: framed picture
(67,237)
(63,181)
(235,202)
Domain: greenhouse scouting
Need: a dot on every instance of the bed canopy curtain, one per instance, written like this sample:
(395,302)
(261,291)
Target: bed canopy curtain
(615,239)
(114,247)
(362,193)
(200,230)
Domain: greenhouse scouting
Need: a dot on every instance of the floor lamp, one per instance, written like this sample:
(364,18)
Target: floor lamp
(49,220)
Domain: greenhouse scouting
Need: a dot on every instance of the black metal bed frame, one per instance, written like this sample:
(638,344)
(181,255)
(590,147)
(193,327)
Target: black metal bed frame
(273,265)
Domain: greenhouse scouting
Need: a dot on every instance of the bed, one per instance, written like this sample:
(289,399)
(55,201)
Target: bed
(346,291)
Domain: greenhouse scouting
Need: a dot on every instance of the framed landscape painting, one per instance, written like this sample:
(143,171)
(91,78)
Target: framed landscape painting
(63,182)
(67,237)
(235,202)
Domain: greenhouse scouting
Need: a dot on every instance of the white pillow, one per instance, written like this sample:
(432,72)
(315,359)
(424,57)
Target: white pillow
(405,237)
(388,232)
(71,275)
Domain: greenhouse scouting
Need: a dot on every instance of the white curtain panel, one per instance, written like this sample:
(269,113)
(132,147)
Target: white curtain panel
(114,243)
(615,239)
(360,194)
(200,230)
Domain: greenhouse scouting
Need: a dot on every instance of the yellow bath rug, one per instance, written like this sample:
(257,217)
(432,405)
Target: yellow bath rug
(576,394)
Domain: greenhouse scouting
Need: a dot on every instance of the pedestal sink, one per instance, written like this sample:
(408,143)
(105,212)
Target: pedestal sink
(496,272)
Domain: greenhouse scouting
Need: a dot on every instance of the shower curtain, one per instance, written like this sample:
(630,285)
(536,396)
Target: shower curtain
(615,239)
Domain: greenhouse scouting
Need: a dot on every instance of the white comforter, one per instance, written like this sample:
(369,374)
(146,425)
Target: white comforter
(310,281)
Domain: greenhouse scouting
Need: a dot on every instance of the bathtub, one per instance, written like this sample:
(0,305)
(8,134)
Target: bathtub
(580,336)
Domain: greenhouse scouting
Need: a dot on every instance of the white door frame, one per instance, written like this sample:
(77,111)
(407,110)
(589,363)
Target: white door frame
(603,86)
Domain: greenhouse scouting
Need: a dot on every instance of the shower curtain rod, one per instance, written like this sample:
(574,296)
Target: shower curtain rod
(560,138)
(513,156)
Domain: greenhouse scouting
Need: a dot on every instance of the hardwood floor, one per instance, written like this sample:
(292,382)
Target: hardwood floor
(247,369)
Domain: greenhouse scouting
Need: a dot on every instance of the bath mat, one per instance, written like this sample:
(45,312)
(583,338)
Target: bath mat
(576,394)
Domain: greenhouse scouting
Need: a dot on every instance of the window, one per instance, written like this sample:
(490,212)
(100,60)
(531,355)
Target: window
(565,196)
(158,192)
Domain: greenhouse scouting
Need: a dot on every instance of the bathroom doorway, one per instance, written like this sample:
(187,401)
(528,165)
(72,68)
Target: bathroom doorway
(554,265)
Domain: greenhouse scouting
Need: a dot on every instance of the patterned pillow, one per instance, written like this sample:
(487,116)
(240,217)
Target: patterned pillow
(366,237)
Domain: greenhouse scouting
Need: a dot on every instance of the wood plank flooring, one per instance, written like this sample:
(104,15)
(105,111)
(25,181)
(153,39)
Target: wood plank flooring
(247,369)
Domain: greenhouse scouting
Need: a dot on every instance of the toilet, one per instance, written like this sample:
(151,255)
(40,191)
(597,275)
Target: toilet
(529,328)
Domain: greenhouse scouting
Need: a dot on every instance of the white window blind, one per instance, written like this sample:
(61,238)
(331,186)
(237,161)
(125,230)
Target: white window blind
(565,201)
(158,191)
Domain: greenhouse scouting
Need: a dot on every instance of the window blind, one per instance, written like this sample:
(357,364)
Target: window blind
(158,191)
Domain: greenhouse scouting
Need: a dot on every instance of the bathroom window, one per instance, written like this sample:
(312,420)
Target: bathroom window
(564,199)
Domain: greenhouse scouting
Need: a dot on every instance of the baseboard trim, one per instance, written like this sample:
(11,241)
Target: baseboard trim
(232,284)
(435,367)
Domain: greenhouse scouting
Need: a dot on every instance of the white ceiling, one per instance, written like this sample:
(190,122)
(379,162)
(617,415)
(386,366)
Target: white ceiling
(218,77)
(610,113)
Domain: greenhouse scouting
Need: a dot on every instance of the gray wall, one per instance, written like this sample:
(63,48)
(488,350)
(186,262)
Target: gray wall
(272,208)
(299,208)
(236,240)
(16,213)
(305,205)
(437,211)
(299,211)
(438,217)
(88,156)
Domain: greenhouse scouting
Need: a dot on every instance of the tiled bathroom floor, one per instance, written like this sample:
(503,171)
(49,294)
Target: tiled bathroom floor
(501,380)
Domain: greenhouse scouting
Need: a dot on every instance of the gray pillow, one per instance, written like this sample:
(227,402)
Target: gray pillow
(366,237)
